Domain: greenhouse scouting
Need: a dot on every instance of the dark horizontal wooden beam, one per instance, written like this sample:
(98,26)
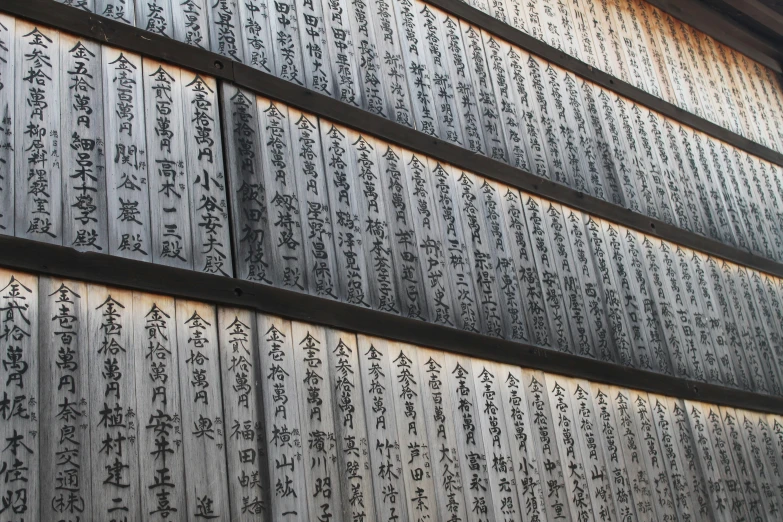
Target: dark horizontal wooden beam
(128,37)
(44,259)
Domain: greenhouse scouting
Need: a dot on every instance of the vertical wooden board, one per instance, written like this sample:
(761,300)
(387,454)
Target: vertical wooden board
(114,473)
(430,244)
(341,46)
(480,256)
(600,41)
(225,36)
(554,482)
(85,225)
(770,96)
(522,99)
(641,286)
(203,426)
(645,52)
(395,166)
(19,382)
(550,22)
(466,99)
(566,428)
(583,33)
(481,5)
(243,416)
(611,291)
(281,198)
(342,183)
(412,431)
(770,286)
(643,487)
(498,10)
(444,86)
(517,16)
(383,278)
(473,463)
(65,436)
(532,17)
(393,68)
(617,64)
(570,277)
(757,465)
(492,423)
(660,291)
(769,203)
(520,248)
(281,414)
(567,27)
(84,5)
(249,217)
(172,242)
(353,450)
(316,418)
(642,11)
(391,500)
(511,124)
(714,319)
(752,103)
(159,413)
(520,442)
(766,316)
(312,29)
(766,227)
(439,419)
(8,42)
(709,77)
(609,438)
(701,325)
(767,437)
(189,22)
(155,16)
(256,35)
(597,468)
(368,56)
(38,183)
(688,53)
(662,480)
(126,149)
(550,283)
(206,179)
(412,54)
(723,84)
(737,96)
(621,22)
(488,109)
(311,188)
(117,10)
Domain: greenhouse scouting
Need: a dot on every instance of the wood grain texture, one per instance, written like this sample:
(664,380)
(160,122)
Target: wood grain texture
(256,35)
(189,22)
(155,16)
(224,23)
(8,42)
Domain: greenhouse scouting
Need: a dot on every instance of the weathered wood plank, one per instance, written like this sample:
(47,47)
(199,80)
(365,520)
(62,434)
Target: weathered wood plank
(189,21)
(246,449)
(118,10)
(155,16)
(38,183)
(312,28)
(203,425)
(341,41)
(8,42)
(225,37)
(256,35)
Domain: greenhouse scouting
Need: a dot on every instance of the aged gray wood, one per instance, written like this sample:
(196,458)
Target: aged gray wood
(224,23)
(469,440)
(249,218)
(161,451)
(85,216)
(319,444)
(342,52)
(281,411)
(85,5)
(168,187)
(37,187)
(565,428)
(374,97)
(312,27)
(65,434)
(256,35)
(243,416)
(8,43)
(763,425)
(206,178)
(118,10)
(126,156)
(342,187)
(114,474)
(189,21)
(755,437)
(356,475)
(155,16)
(203,427)
(391,499)
(311,188)
(439,419)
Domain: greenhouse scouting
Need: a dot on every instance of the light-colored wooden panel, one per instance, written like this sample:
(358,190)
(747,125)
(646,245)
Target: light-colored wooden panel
(629,46)
(257,35)
(155,16)
(8,42)
(38,140)
(246,449)
(189,21)
(126,155)
(84,5)
(604,21)
(249,219)
(281,412)
(374,98)
(65,434)
(311,189)
(85,216)
(766,440)
(114,432)
(687,53)
(224,24)
(312,28)
(203,425)
(341,45)
(391,498)
(353,449)
(160,449)
(118,10)
(172,242)
(206,179)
